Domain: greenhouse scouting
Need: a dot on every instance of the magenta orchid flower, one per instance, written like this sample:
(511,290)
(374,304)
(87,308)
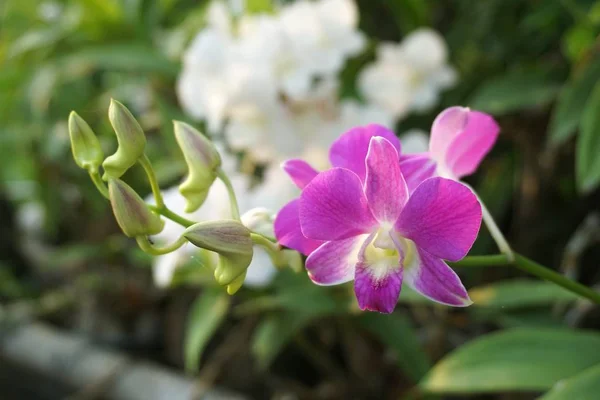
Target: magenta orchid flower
(460,139)
(357,222)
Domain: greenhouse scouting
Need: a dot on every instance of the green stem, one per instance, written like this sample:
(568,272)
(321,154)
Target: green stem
(149,248)
(165,212)
(272,248)
(533,268)
(100,185)
(147,165)
(233,204)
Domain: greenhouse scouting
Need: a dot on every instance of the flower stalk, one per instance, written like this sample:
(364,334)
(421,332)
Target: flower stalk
(149,248)
(233,203)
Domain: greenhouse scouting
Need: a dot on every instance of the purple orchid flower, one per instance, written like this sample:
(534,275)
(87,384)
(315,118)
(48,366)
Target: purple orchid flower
(348,151)
(357,221)
(460,139)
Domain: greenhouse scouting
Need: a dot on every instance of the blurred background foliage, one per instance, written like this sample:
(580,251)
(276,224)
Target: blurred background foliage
(533,64)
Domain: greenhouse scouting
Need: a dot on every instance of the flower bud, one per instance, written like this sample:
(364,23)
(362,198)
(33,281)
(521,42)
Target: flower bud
(84,143)
(131,138)
(202,159)
(132,214)
(293,259)
(231,240)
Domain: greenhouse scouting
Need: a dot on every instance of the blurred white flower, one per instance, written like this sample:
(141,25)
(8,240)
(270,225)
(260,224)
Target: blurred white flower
(414,141)
(410,75)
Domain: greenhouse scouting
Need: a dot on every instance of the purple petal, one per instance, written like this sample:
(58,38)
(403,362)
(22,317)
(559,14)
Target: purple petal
(385,188)
(299,171)
(434,279)
(288,232)
(350,149)
(333,263)
(334,207)
(442,217)
(446,126)
(377,286)
(416,168)
(470,147)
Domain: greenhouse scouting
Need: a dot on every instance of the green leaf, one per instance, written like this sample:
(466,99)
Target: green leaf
(275,332)
(571,101)
(520,359)
(397,332)
(259,6)
(206,314)
(519,294)
(513,92)
(587,165)
(583,386)
(132,57)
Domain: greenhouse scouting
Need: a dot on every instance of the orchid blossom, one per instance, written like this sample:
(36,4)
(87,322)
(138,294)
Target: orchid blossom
(460,139)
(357,221)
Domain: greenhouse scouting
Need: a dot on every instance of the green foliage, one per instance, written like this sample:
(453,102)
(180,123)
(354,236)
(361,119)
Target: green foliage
(583,386)
(514,360)
(588,144)
(519,294)
(206,314)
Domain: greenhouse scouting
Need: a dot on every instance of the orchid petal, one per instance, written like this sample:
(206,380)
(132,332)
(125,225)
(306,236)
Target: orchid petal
(377,281)
(442,217)
(446,127)
(470,147)
(299,171)
(333,263)
(434,279)
(384,184)
(288,232)
(334,207)
(416,168)
(350,149)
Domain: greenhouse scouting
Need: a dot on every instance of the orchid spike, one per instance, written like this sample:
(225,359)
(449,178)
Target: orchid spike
(460,139)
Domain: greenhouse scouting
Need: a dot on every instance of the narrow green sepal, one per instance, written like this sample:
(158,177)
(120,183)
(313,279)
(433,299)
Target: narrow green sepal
(132,214)
(202,159)
(131,138)
(85,146)
(231,240)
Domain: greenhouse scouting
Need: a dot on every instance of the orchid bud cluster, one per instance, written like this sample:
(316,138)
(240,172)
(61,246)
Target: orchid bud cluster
(231,239)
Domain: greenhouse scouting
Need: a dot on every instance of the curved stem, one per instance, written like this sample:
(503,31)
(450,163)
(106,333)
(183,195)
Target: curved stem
(533,268)
(272,248)
(165,212)
(233,204)
(149,248)
(147,165)
(100,185)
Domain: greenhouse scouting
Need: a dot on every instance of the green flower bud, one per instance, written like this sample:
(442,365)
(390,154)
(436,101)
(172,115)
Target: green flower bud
(293,259)
(202,159)
(132,214)
(232,241)
(84,144)
(131,138)
(237,283)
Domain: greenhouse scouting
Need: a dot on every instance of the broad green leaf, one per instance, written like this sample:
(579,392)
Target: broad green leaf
(514,360)
(583,386)
(513,92)
(519,294)
(569,108)
(259,6)
(275,332)
(587,162)
(396,332)
(205,316)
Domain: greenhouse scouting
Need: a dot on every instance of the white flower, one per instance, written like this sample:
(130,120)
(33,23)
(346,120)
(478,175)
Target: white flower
(409,75)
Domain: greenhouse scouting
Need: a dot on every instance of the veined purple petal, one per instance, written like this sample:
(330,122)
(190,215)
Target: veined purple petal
(446,126)
(377,281)
(333,207)
(434,279)
(470,147)
(384,184)
(441,216)
(288,232)
(299,171)
(333,262)
(416,168)
(350,149)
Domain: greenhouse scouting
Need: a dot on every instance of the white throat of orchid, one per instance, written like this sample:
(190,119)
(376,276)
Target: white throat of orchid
(386,250)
